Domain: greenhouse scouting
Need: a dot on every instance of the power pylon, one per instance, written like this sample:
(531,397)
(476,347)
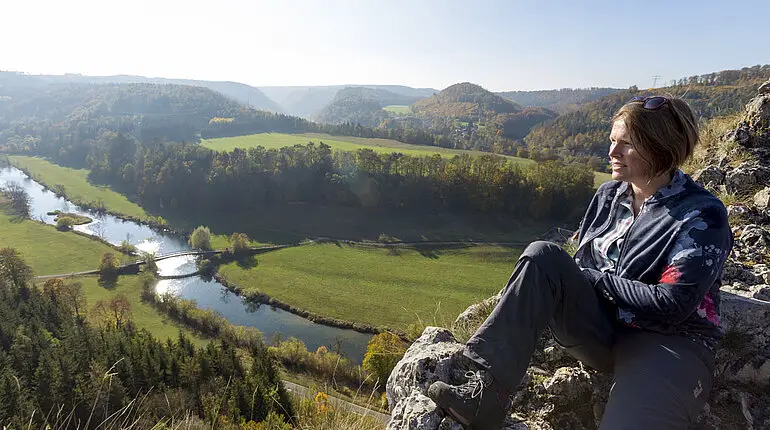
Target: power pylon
(655,80)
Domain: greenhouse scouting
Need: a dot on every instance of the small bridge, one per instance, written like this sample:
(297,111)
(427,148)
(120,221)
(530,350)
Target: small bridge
(134,267)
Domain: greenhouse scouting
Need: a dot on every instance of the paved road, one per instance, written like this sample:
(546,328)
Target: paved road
(299,390)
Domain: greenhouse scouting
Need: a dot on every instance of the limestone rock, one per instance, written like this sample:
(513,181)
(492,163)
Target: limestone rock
(415,412)
(764,88)
(746,177)
(744,352)
(569,384)
(762,272)
(511,423)
(740,135)
(734,271)
(762,199)
(738,209)
(757,113)
(477,312)
(434,356)
(709,176)
(754,235)
(430,358)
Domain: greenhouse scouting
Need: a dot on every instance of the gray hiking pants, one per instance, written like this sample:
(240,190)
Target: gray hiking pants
(659,381)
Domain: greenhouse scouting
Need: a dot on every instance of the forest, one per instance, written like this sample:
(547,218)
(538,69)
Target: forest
(143,137)
(63,365)
(184,176)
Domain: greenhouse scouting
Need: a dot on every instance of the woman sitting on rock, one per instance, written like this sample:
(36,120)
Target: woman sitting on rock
(640,298)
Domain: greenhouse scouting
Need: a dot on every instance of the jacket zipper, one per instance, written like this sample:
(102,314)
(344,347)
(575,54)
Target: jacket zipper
(628,233)
(604,227)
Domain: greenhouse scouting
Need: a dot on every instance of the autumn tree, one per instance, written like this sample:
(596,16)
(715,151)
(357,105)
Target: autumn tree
(239,242)
(201,238)
(113,312)
(108,266)
(382,353)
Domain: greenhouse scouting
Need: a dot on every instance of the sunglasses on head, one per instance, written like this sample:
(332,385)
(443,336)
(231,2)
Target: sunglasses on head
(651,103)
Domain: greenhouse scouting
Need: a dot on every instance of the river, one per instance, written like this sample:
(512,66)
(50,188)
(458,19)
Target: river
(207,294)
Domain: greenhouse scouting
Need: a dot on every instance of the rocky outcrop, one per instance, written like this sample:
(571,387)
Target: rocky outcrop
(762,200)
(747,177)
(557,392)
(710,176)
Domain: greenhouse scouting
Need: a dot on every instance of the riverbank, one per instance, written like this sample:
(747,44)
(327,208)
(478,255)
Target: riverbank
(345,284)
(73,185)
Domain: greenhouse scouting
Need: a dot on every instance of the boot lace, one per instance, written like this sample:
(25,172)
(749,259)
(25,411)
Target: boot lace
(477,381)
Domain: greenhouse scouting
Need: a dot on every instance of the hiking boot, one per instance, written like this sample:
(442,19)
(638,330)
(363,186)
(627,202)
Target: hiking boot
(479,404)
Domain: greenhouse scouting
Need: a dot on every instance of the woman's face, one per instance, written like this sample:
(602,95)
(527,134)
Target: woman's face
(627,164)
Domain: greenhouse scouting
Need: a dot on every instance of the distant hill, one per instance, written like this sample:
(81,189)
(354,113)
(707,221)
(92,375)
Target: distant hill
(63,120)
(242,93)
(469,108)
(582,134)
(81,101)
(307,101)
(361,105)
(562,100)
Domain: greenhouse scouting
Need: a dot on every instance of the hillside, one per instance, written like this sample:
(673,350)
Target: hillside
(28,97)
(307,101)
(242,93)
(361,105)
(582,134)
(64,121)
(561,100)
(467,109)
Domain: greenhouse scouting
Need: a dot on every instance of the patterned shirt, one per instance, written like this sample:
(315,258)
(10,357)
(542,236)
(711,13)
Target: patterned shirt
(606,247)
(667,286)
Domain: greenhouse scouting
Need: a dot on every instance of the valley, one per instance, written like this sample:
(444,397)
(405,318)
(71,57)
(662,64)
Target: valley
(398,207)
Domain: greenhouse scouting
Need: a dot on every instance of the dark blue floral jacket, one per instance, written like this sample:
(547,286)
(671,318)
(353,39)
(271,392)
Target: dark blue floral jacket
(668,273)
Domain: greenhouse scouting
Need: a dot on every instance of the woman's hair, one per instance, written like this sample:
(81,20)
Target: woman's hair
(664,137)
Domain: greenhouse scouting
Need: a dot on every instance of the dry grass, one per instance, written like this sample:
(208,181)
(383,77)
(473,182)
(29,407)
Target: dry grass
(316,414)
(712,147)
(462,330)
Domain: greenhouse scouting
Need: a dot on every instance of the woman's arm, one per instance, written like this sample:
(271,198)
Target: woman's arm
(701,248)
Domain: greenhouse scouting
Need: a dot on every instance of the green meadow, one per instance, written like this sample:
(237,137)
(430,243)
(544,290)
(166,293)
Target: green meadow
(402,109)
(49,251)
(381,287)
(342,143)
(77,185)
(349,143)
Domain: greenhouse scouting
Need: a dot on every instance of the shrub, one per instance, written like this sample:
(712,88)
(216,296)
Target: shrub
(108,266)
(126,247)
(150,265)
(239,242)
(382,354)
(64,223)
(201,238)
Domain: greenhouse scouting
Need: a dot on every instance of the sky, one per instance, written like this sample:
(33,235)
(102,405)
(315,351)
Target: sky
(501,45)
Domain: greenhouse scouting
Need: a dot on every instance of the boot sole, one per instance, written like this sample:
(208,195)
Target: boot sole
(463,422)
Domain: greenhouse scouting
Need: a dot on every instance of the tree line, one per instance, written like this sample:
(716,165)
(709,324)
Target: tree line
(190,177)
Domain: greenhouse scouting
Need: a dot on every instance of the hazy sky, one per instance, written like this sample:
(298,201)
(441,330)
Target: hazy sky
(501,45)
